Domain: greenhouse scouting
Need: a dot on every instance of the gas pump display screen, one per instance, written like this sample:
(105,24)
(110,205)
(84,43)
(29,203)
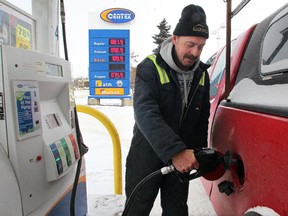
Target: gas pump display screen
(53,70)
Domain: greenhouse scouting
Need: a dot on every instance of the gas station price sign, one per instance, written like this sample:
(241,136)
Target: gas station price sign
(109,63)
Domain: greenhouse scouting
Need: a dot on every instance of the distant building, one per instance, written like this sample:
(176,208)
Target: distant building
(81,83)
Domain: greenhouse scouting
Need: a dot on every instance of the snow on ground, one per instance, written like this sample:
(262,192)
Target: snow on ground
(99,162)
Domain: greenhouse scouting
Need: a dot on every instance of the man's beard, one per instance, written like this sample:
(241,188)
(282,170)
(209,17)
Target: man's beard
(191,57)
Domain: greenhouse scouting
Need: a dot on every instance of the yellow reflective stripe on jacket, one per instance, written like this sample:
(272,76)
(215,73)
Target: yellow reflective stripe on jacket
(162,73)
(202,80)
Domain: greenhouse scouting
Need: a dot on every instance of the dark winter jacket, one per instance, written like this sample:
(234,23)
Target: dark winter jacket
(161,127)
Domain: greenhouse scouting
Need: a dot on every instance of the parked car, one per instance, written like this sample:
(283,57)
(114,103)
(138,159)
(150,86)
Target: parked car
(252,122)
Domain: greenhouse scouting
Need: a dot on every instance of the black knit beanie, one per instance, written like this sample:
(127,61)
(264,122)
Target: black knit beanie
(192,22)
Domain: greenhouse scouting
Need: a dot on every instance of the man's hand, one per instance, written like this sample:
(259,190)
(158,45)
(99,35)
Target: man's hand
(185,161)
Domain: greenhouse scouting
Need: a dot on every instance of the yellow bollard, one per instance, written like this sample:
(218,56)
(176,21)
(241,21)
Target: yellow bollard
(115,140)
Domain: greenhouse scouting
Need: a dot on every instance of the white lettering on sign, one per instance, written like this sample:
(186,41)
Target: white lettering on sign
(107,84)
(119,16)
(99,43)
(100,52)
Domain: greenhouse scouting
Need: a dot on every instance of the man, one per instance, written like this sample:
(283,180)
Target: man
(171,108)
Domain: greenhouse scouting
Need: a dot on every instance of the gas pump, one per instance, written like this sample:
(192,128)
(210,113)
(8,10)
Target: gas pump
(38,144)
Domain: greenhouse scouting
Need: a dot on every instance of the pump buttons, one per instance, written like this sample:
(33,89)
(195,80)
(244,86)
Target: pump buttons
(37,159)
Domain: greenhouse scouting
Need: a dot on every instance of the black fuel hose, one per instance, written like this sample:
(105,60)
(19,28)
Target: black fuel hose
(74,188)
(162,171)
(78,133)
(208,160)
(83,149)
(62,13)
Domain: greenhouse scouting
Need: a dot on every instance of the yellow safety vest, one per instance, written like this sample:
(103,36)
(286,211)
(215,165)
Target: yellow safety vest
(163,75)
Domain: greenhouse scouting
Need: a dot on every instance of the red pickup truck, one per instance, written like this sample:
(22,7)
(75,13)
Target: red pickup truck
(252,122)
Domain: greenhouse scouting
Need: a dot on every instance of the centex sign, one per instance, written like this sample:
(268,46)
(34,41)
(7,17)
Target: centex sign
(117,15)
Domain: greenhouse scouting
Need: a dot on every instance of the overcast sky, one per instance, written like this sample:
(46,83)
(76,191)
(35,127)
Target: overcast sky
(148,14)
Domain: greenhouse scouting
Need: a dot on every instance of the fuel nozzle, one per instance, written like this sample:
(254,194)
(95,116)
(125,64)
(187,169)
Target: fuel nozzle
(212,165)
(230,160)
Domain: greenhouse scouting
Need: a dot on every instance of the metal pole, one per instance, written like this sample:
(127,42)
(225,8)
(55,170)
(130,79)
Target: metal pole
(239,7)
(115,141)
(228,48)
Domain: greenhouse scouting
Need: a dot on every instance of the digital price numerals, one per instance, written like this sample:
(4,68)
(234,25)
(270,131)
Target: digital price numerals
(116,50)
(116,58)
(116,42)
(116,47)
(117,75)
